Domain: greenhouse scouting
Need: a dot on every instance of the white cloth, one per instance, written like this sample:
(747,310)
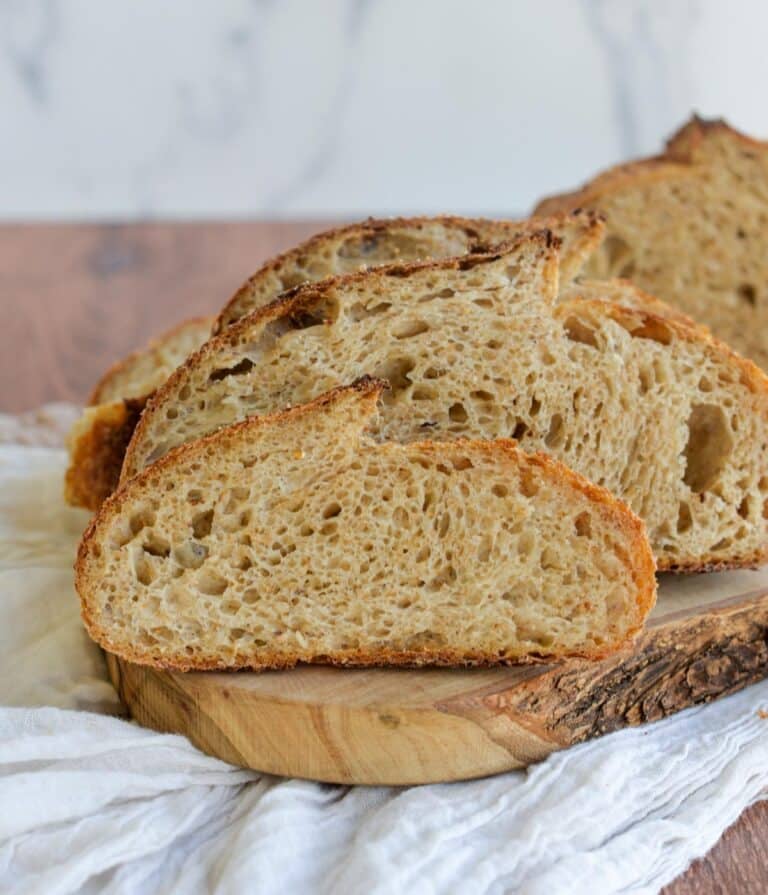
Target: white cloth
(93,803)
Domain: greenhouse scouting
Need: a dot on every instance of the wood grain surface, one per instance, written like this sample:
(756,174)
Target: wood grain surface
(74,298)
(706,637)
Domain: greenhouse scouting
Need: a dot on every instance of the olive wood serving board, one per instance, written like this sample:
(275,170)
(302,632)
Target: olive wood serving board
(707,637)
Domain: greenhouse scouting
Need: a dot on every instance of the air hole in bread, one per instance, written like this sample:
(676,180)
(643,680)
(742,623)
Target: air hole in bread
(305,318)
(480,394)
(578,331)
(556,433)
(462,463)
(396,372)
(243,366)
(358,311)
(143,518)
(202,524)
(483,302)
(422,393)
(332,510)
(142,569)
(684,518)
(748,294)
(457,413)
(434,372)
(520,429)
(709,445)
(190,554)
(156,546)
(583,525)
(744,508)
(499,490)
(210,582)
(194,496)
(407,329)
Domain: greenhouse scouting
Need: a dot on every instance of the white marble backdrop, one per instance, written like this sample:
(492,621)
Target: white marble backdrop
(281,108)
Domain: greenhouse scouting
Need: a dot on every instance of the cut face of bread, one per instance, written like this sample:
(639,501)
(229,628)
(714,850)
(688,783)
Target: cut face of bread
(139,374)
(650,407)
(691,226)
(296,538)
(376,242)
(97,453)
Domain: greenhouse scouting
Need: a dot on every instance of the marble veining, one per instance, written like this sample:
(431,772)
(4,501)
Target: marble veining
(350,107)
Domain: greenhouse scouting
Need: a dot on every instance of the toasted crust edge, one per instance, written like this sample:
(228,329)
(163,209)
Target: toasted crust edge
(125,363)
(594,229)
(643,564)
(97,446)
(677,159)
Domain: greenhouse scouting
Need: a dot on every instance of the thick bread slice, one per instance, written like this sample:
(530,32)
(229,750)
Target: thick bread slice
(96,445)
(336,251)
(652,408)
(376,242)
(690,226)
(141,372)
(296,538)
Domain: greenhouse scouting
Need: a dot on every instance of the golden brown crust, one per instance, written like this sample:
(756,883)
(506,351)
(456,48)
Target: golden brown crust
(678,160)
(147,480)
(304,297)
(103,388)
(475,228)
(97,445)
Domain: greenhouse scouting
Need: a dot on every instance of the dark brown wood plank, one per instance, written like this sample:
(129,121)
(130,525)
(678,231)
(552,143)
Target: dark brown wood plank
(74,298)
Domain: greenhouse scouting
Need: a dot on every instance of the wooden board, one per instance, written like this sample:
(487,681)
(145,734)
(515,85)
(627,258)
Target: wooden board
(707,637)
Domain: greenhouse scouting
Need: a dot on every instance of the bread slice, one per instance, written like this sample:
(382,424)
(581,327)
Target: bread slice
(690,227)
(96,452)
(375,242)
(654,409)
(141,372)
(297,538)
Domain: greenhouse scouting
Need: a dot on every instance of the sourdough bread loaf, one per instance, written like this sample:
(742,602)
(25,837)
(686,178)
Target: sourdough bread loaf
(298,538)
(691,227)
(649,406)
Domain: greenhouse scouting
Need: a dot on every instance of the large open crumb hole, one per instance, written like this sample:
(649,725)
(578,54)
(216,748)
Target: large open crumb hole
(243,366)
(211,583)
(396,371)
(556,433)
(709,445)
(748,294)
(583,525)
(202,524)
(578,331)
(457,413)
(684,518)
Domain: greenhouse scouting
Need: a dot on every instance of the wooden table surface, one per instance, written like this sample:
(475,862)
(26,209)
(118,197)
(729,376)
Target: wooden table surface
(74,298)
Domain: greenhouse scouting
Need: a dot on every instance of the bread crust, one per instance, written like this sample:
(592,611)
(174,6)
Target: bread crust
(97,446)
(101,393)
(475,228)
(643,567)
(677,160)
